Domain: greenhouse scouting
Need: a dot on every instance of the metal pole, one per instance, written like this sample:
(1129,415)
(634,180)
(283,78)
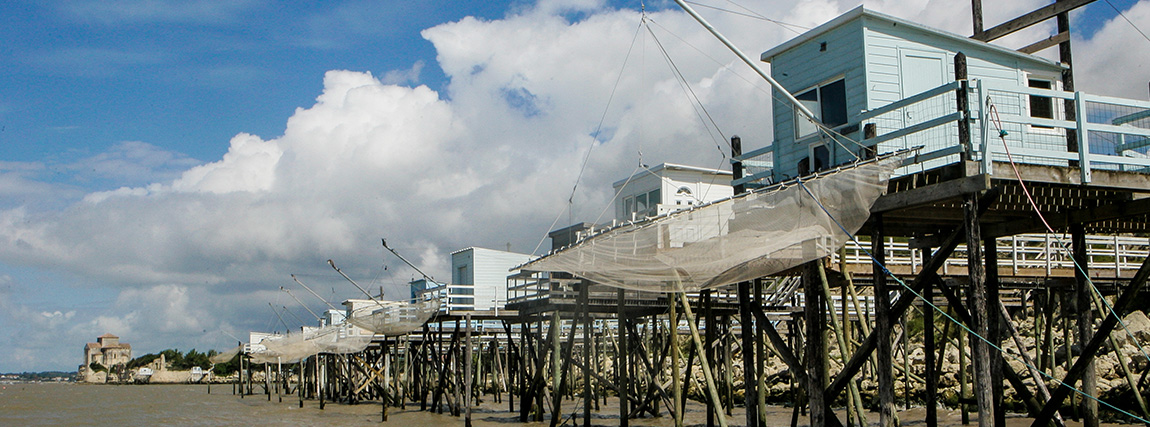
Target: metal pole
(786,94)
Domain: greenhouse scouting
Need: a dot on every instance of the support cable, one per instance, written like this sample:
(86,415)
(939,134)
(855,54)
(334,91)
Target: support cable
(1002,133)
(1128,21)
(594,139)
(946,315)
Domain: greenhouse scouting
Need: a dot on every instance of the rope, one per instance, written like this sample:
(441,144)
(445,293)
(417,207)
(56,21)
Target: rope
(1128,21)
(946,315)
(616,197)
(753,14)
(594,139)
(689,91)
(996,119)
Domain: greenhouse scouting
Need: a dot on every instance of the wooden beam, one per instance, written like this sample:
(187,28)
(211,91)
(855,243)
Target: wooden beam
(1101,334)
(1046,43)
(931,193)
(1058,220)
(862,353)
(1025,21)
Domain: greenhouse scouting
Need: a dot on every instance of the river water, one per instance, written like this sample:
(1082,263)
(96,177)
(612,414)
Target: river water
(133,405)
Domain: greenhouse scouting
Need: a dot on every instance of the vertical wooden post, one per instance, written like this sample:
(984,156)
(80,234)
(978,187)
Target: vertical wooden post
(963,107)
(707,373)
(931,373)
(467,370)
(1065,57)
(708,347)
(240,377)
(760,357)
(676,389)
(993,319)
(585,303)
(963,378)
(320,377)
(556,367)
(621,362)
(979,313)
(854,401)
(814,319)
(728,381)
(746,318)
(384,391)
(1066,312)
(455,372)
(268,381)
(1085,322)
(887,417)
(976,12)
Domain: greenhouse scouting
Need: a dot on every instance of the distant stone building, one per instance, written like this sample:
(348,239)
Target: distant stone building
(108,352)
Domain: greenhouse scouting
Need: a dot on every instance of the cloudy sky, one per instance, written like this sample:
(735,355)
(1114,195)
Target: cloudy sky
(166,165)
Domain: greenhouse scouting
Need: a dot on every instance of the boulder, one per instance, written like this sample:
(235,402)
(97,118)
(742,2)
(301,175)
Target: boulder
(1138,325)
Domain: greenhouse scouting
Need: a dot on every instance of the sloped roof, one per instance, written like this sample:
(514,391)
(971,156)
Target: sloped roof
(107,336)
(860,12)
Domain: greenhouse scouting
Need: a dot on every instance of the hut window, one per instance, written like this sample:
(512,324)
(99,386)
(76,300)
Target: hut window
(1041,106)
(829,104)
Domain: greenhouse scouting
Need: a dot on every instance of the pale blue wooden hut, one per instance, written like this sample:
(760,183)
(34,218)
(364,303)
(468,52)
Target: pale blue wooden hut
(865,67)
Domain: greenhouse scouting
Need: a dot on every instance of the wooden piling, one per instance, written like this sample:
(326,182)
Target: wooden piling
(887,417)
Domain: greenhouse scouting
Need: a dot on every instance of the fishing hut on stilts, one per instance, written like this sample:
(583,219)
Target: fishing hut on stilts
(918,177)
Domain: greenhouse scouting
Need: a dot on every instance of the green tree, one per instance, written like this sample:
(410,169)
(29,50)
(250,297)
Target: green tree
(142,360)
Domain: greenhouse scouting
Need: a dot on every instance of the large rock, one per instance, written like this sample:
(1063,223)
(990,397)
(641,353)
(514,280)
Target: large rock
(1138,325)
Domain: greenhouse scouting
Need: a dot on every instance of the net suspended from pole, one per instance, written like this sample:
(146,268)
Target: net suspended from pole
(291,348)
(226,356)
(733,240)
(393,318)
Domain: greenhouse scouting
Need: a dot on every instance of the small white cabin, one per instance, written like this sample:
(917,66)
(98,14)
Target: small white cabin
(668,187)
(478,279)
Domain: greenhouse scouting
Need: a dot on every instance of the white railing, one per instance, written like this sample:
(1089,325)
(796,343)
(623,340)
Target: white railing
(1110,133)
(1025,254)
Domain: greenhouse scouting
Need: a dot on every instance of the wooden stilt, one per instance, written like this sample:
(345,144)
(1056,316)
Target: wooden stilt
(709,353)
(1108,323)
(556,369)
(676,390)
(1035,376)
(1085,322)
(706,368)
(1123,364)
(584,301)
(746,319)
(855,410)
(814,319)
(993,322)
(887,417)
(621,362)
(467,371)
(928,342)
(760,357)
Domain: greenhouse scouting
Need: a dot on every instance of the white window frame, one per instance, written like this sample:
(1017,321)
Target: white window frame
(1056,107)
(798,118)
(811,155)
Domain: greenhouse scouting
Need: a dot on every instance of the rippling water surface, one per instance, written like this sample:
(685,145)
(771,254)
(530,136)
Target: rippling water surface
(138,405)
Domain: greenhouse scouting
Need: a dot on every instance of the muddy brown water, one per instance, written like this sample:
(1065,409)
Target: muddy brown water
(74,404)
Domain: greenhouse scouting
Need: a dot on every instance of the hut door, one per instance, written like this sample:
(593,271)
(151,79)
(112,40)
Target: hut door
(921,71)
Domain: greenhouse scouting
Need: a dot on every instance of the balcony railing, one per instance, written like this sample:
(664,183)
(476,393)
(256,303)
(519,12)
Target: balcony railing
(1090,132)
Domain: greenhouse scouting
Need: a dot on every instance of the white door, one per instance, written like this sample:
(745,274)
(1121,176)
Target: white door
(922,71)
